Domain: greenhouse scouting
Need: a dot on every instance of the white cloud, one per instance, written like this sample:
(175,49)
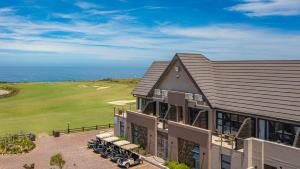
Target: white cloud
(121,38)
(86,5)
(256,8)
(6,10)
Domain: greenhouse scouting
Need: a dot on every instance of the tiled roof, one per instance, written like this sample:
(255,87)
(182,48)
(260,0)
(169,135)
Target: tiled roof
(150,78)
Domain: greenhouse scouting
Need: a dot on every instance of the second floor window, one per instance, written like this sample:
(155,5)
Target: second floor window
(228,123)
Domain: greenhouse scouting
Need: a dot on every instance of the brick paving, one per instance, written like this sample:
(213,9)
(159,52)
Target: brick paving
(72,147)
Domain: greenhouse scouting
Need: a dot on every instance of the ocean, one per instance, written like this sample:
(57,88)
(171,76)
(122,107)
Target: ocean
(59,73)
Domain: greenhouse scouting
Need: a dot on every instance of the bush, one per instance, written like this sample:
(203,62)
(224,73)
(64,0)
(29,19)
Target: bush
(15,144)
(176,165)
(28,166)
(57,160)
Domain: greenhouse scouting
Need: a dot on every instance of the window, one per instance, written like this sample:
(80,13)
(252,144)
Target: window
(142,103)
(135,134)
(277,131)
(202,121)
(163,107)
(196,157)
(225,161)
(121,128)
(230,123)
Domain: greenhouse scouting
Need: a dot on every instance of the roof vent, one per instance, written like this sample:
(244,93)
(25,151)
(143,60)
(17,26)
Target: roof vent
(164,93)
(198,97)
(157,92)
(189,96)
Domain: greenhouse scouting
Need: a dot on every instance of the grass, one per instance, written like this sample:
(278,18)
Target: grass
(42,107)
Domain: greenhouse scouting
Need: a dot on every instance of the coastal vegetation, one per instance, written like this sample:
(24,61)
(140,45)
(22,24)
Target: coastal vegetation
(176,165)
(40,107)
(15,144)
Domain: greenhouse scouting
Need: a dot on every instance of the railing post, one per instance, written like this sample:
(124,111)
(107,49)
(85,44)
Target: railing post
(108,125)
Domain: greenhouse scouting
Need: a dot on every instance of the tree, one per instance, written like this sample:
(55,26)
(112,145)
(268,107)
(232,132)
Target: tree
(57,160)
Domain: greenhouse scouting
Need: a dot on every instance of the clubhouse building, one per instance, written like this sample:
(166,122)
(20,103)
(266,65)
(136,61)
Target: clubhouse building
(218,114)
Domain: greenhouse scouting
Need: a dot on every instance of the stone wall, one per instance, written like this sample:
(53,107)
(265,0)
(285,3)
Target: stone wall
(185,148)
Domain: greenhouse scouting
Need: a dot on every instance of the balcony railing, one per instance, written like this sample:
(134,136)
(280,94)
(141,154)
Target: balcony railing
(228,141)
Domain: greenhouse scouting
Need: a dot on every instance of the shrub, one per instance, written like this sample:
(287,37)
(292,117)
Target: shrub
(57,160)
(26,166)
(15,144)
(176,165)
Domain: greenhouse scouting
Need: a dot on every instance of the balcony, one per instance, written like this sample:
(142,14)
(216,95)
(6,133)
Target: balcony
(228,141)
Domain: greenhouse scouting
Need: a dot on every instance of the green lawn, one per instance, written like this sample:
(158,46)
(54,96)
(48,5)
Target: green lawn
(42,107)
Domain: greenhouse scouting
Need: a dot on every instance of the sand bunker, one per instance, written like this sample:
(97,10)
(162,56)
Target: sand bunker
(4,92)
(121,102)
(104,87)
(82,86)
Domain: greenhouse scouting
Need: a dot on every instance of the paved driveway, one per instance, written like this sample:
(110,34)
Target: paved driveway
(72,147)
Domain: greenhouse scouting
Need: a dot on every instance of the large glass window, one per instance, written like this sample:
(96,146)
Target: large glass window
(277,131)
(202,120)
(163,108)
(230,123)
(225,161)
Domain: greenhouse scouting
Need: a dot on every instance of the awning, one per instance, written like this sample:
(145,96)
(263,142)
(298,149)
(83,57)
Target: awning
(104,135)
(121,143)
(130,146)
(111,139)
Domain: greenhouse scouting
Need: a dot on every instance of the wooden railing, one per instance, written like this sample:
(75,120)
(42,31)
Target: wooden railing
(56,133)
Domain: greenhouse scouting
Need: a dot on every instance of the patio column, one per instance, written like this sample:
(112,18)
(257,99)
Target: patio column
(157,108)
(177,113)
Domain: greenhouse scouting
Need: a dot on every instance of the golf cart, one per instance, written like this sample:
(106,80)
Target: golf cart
(131,158)
(107,145)
(117,152)
(99,144)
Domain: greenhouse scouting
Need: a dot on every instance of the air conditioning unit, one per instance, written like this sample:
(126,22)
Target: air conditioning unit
(164,93)
(198,97)
(189,96)
(157,92)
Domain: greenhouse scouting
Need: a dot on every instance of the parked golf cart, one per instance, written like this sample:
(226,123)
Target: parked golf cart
(92,143)
(99,144)
(116,150)
(107,145)
(131,158)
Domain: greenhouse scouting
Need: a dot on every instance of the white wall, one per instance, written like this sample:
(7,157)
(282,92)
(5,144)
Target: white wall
(259,152)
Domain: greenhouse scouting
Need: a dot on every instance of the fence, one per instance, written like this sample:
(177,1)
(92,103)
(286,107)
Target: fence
(56,133)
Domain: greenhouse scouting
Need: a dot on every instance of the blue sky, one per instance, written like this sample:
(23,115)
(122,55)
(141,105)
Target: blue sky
(135,32)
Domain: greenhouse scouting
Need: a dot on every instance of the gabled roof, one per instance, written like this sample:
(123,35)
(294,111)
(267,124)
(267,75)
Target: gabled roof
(144,87)
(267,88)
